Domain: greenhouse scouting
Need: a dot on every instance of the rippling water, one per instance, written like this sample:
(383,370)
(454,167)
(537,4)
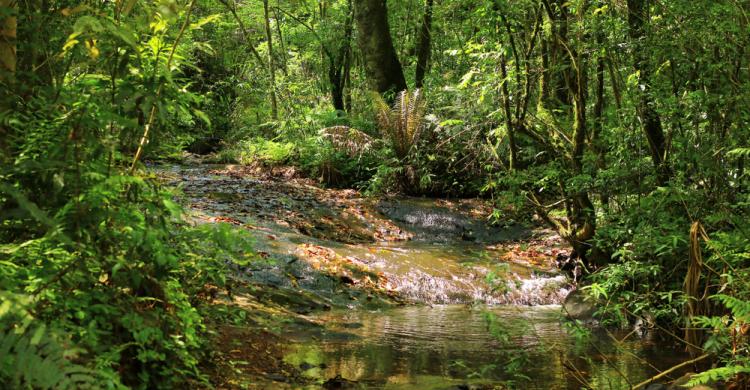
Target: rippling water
(443,274)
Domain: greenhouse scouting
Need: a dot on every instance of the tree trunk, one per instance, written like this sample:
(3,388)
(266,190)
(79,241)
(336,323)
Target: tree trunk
(380,60)
(582,215)
(8,61)
(281,40)
(337,80)
(559,70)
(637,17)
(596,134)
(271,65)
(7,43)
(339,66)
(424,47)
(511,131)
(348,81)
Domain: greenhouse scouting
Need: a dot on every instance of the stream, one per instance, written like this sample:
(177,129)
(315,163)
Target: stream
(412,293)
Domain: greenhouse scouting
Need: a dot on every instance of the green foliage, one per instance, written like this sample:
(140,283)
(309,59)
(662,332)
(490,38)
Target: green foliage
(717,374)
(35,357)
(102,280)
(138,274)
(337,165)
(258,151)
(111,269)
(401,123)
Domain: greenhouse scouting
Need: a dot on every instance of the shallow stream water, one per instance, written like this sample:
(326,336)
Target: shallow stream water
(485,317)
(457,346)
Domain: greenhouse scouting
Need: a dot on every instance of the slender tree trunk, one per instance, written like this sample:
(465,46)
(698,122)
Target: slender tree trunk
(281,39)
(564,83)
(337,80)
(559,70)
(544,79)
(424,47)
(271,62)
(245,32)
(583,216)
(652,126)
(598,124)
(511,131)
(380,59)
(348,81)
(339,66)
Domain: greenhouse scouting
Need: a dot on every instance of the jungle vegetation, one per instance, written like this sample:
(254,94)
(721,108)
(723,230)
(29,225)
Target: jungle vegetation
(623,125)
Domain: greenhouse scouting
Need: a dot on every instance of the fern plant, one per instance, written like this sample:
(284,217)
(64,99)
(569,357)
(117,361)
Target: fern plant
(401,124)
(351,141)
(32,356)
(728,338)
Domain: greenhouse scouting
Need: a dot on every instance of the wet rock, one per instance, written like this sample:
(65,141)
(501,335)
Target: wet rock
(644,324)
(339,383)
(299,302)
(576,307)
(468,236)
(656,386)
(304,366)
(206,145)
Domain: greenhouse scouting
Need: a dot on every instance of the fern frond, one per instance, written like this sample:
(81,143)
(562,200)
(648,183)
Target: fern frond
(740,308)
(31,355)
(401,123)
(739,152)
(349,140)
(717,374)
(382,113)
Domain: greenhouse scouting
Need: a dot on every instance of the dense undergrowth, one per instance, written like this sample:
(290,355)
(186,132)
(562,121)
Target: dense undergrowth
(623,126)
(103,282)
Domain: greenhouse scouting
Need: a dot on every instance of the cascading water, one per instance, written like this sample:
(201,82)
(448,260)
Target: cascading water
(445,261)
(449,261)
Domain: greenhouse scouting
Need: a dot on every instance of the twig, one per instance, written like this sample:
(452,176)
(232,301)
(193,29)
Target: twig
(666,372)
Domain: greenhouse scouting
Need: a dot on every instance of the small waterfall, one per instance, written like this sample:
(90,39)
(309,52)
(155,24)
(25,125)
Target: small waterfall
(433,274)
(539,290)
(419,286)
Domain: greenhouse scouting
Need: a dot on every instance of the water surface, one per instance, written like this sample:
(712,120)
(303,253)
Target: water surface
(441,347)
(482,319)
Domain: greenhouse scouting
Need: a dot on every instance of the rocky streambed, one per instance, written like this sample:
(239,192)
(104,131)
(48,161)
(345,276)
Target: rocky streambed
(399,293)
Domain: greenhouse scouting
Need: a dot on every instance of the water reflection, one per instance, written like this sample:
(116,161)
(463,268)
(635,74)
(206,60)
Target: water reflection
(443,346)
